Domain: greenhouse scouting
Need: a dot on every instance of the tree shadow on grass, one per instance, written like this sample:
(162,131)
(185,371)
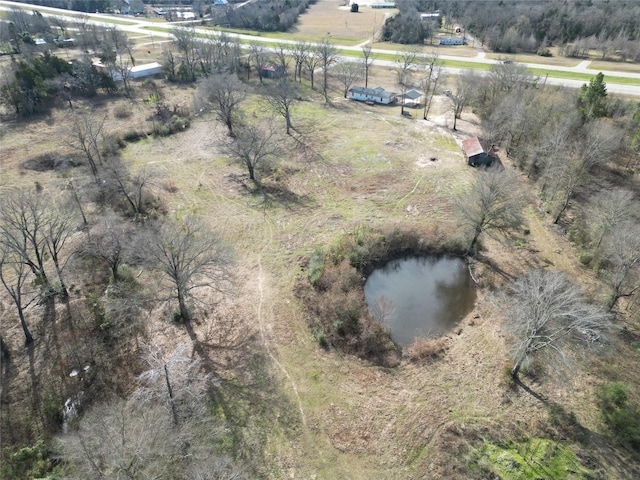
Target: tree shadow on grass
(278,194)
(246,393)
(492,265)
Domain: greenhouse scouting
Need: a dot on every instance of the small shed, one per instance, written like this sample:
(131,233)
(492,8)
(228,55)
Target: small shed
(411,98)
(478,152)
(271,71)
(376,95)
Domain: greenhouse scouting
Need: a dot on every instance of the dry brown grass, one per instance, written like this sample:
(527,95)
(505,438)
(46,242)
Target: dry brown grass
(426,349)
(332,19)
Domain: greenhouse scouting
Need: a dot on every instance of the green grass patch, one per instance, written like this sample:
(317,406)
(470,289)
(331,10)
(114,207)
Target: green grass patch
(532,459)
(445,142)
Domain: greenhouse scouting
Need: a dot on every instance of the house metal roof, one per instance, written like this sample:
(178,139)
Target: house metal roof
(472,146)
(374,92)
(145,67)
(412,95)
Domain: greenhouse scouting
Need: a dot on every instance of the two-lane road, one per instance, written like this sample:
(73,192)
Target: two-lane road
(138,26)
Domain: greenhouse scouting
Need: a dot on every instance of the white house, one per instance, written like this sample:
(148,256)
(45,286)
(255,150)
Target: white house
(145,70)
(139,71)
(377,95)
(451,41)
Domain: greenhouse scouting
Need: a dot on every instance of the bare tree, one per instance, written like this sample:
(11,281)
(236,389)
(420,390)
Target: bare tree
(174,379)
(406,62)
(328,54)
(32,226)
(84,135)
(123,439)
(116,52)
(367,60)
(491,204)
(466,85)
(283,58)
(347,74)
(281,97)
(110,240)
(259,57)
(116,440)
(22,223)
(622,251)
(251,147)
(300,52)
(170,63)
(430,80)
(607,210)
(504,77)
(75,196)
(223,93)
(190,256)
(14,276)
(59,226)
(133,188)
(544,311)
(185,39)
(572,170)
(312,61)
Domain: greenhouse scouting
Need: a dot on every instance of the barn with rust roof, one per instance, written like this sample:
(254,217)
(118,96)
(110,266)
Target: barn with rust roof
(478,152)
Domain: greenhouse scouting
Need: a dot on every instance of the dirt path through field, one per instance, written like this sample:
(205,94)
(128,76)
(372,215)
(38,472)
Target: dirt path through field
(263,327)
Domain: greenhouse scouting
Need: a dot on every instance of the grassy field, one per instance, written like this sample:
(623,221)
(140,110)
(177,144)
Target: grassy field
(360,165)
(329,18)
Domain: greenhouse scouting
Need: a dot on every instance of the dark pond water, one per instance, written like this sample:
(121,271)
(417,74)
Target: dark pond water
(420,297)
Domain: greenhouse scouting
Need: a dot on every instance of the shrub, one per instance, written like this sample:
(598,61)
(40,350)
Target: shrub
(427,348)
(586,258)
(29,462)
(122,111)
(619,414)
(544,52)
(111,144)
(173,125)
(49,161)
(133,136)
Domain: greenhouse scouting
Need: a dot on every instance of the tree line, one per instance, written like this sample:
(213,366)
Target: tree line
(520,26)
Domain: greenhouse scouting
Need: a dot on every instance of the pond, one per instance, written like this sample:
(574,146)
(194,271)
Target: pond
(420,297)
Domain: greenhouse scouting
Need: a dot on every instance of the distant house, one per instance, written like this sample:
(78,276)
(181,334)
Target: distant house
(383,5)
(376,95)
(186,15)
(451,41)
(139,71)
(411,98)
(145,70)
(478,152)
(271,71)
